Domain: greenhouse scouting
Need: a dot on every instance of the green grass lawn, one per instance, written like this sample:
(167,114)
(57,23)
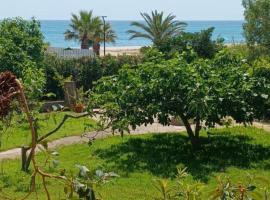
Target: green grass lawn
(141,159)
(19,133)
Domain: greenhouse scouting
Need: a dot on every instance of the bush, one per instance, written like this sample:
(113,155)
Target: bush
(85,71)
(200,42)
(262,72)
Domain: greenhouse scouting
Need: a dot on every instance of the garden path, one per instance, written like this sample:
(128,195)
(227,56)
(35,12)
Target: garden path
(154,128)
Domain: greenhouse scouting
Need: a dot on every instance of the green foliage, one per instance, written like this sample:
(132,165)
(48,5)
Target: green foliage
(181,190)
(138,159)
(262,73)
(22,51)
(203,90)
(200,42)
(88,29)
(257,25)
(83,70)
(252,187)
(15,132)
(21,45)
(157,27)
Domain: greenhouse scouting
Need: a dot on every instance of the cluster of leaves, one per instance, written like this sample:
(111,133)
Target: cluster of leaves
(203,90)
(84,70)
(89,30)
(200,42)
(157,27)
(257,22)
(181,190)
(256,28)
(22,51)
(262,71)
(252,188)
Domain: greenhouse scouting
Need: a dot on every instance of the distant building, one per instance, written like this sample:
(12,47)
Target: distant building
(70,53)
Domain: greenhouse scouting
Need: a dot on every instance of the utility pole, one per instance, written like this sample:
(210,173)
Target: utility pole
(104,32)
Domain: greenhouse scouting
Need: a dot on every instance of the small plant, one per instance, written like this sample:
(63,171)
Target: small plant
(250,189)
(164,189)
(182,190)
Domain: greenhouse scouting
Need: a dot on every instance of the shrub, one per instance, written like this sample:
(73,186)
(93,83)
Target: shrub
(85,71)
(262,72)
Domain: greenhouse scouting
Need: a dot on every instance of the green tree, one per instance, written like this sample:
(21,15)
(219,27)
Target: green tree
(200,42)
(21,45)
(157,27)
(204,91)
(22,51)
(257,25)
(88,29)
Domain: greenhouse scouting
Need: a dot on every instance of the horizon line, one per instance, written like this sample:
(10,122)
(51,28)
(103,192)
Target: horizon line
(129,19)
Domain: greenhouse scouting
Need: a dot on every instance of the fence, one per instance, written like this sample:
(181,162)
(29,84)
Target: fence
(70,53)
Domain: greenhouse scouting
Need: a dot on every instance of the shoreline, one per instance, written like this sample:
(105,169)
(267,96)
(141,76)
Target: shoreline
(127,50)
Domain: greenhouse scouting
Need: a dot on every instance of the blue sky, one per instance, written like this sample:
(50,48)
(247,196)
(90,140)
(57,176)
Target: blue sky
(124,9)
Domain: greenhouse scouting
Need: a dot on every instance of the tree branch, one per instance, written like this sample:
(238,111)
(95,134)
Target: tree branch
(65,118)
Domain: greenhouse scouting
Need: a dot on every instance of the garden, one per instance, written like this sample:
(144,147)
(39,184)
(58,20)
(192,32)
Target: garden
(85,146)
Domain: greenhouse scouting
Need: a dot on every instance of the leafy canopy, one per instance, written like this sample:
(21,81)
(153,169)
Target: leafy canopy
(257,25)
(22,51)
(89,29)
(203,90)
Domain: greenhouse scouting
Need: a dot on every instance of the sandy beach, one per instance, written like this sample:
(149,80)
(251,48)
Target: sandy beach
(128,50)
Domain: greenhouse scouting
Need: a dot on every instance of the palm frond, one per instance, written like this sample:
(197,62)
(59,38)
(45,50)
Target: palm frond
(157,27)
(85,24)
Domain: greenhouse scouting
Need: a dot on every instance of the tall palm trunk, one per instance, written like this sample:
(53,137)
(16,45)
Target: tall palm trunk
(85,43)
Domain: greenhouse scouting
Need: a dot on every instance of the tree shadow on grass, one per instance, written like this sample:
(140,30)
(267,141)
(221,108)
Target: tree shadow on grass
(160,154)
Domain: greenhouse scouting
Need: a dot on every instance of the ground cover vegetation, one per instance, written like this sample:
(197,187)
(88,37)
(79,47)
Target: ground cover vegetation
(239,156)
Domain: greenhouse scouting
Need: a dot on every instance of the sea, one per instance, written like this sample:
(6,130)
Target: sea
(53,31)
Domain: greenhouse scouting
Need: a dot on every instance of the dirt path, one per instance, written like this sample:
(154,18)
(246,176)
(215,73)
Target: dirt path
(66,141)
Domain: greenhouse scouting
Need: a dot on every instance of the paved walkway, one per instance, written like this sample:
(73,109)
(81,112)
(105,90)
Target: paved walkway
(66,141)
(262,125)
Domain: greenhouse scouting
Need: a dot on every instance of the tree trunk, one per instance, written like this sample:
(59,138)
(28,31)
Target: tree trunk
(85,43)
(194,137)
(24,158)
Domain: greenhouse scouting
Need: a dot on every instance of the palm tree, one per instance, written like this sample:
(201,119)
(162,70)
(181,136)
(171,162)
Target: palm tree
(88,29)
(156,27)
(110,36)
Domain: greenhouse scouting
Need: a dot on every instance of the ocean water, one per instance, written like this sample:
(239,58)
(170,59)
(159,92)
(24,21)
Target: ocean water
(53,31)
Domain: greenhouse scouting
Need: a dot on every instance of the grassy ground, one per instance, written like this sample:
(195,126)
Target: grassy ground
(19,133)
(141,159)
